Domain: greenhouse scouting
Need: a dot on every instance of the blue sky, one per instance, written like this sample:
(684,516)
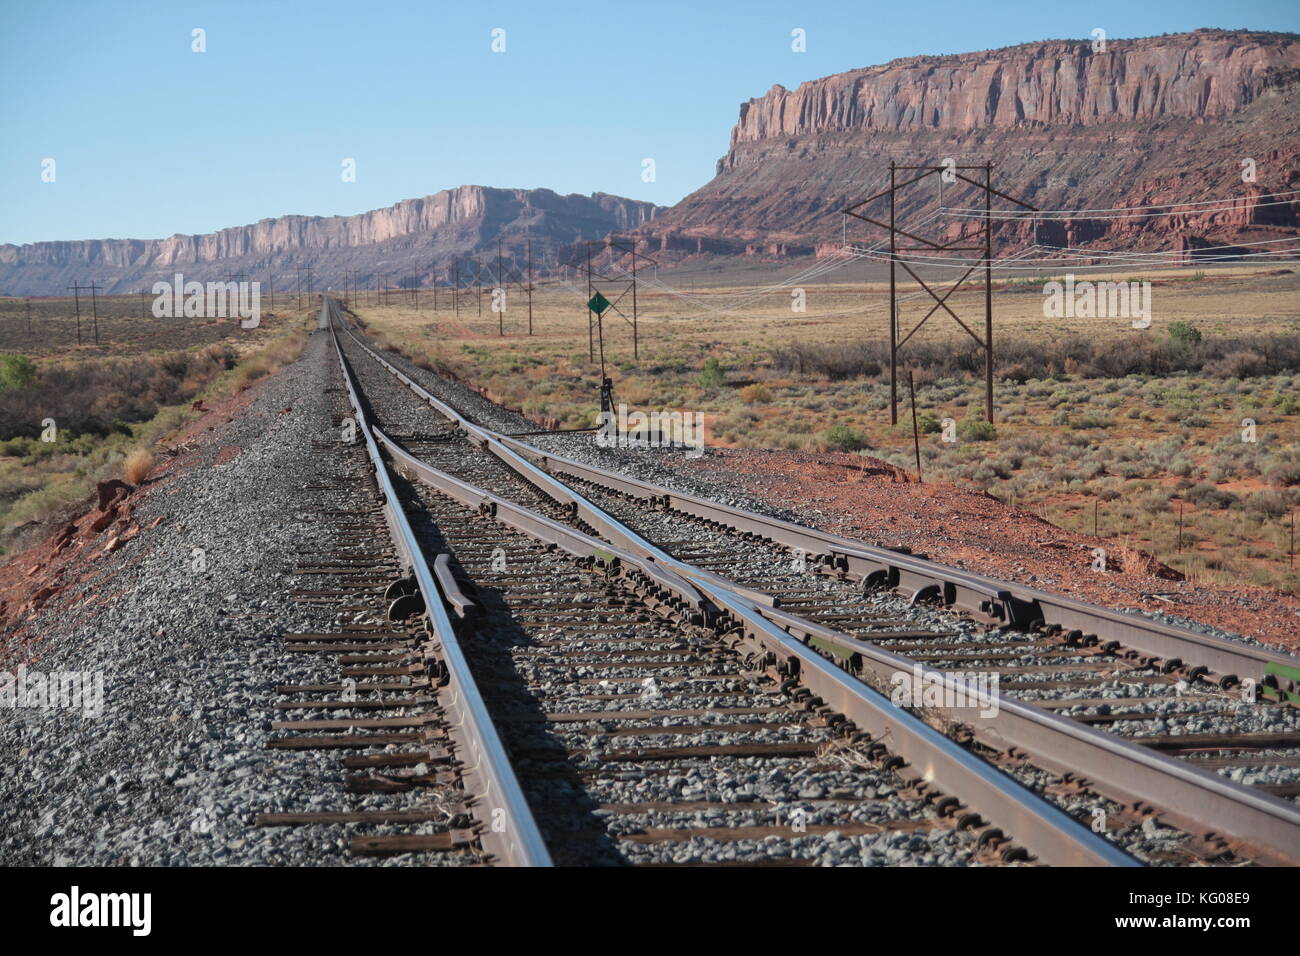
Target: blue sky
(151,139)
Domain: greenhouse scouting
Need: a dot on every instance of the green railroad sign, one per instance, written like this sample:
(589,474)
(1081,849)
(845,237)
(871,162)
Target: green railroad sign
(598,303)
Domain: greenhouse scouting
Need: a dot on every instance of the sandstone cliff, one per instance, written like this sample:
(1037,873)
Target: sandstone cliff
(414,237)
(1155,120)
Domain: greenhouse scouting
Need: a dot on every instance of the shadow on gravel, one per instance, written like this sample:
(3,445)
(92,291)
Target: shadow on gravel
(563,808)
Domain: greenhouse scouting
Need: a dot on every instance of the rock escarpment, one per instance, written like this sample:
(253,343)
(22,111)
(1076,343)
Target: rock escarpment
(1158,120)
(414,237)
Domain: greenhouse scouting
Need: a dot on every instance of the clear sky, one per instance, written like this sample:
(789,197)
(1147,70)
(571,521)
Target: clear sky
(150,138)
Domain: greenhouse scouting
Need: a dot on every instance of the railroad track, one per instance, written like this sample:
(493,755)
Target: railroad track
(722,570)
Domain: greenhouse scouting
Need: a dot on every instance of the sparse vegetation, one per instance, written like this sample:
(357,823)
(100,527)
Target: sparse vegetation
(843,438)
(711,375)
(138,465)
(108,411)
(16,371)
(1087,410)
(1184,333)
(976,429)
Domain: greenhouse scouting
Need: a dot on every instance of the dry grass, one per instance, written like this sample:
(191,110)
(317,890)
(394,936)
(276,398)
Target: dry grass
(137,466)
(1072,428)
(109,410)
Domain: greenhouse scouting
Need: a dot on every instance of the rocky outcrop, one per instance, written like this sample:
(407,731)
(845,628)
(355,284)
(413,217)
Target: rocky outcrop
(1202,76)
(414,237)
(1158,120)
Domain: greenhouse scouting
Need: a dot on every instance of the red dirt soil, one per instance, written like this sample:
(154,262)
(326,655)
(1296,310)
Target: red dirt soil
(42,574)
(873,501)
(852,495)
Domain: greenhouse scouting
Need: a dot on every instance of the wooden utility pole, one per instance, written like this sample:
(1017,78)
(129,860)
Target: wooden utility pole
(916,432)
(94,309)
(501,314)
(530,285)
(76,294)
(591,344)
(636,350)
(988,291)
(919,243)
(893,301)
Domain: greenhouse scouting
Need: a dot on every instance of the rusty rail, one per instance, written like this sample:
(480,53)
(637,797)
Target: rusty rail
(1199,800)
(511,836)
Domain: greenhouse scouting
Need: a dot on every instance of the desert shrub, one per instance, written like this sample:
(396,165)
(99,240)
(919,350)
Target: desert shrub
(843,438)
(1283,474)
(1243,363)
(138,465)
(1207,496)
(928,424)
(1037,361)
(711,374)
(1184,333)
(976,429)
(99,397)
(16,371)
(1272,504)
(756,394)
(1091,420)
(1288,404)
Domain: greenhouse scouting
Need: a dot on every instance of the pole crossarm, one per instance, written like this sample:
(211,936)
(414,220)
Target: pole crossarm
(948,172)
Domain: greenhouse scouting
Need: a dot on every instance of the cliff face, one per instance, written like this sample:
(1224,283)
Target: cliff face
(414,237)
(1058,82)
(1162,119)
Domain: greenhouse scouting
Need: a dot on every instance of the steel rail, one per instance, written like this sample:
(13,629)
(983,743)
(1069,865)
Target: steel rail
(1049,832)
(1202,801)
(1198,800)
(989,598)
(979,595)
(512,835)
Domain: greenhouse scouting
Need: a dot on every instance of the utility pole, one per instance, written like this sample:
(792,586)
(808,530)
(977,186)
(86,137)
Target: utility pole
(29,315)
(916,434)
(478,284)
(636,351)
(893,303)
(455,290)
(919,243)
(530,285)
(143,313)
(988,291)
(94,309)
(591,345)
(76,293)
(270,287)
(501,315)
